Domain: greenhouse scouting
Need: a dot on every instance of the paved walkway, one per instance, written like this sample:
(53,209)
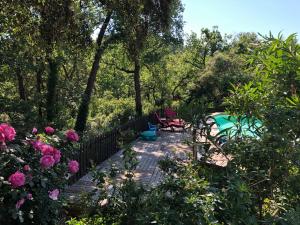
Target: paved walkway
(148,154)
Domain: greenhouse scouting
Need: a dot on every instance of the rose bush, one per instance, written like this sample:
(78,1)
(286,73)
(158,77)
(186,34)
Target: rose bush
(72,136)
(49,130)
(33,173)
(73,166)
(7,133)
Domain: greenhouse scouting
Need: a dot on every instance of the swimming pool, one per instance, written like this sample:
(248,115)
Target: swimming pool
(230,125)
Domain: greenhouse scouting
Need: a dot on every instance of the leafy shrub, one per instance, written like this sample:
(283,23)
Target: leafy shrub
(34,172)
(270,164)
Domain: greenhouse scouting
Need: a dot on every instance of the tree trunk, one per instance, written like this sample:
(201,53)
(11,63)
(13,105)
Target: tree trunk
(51,89)
(86,98)
(137,88)
(21,86)
(39,89)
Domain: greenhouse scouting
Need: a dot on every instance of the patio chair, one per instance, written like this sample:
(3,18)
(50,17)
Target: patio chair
(170,113)
(152,127)
(178,123)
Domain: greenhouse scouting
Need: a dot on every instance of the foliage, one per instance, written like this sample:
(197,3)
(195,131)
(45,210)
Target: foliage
(269,165)
(214,82)
(205,46)
(191,193)
(109,112)
(179,199)
(44,74)
(46,170)
(138,64)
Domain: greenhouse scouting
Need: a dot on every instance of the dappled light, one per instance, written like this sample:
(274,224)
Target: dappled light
(114,112)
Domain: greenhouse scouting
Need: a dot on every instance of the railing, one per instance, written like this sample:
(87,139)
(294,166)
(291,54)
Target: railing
(99,148)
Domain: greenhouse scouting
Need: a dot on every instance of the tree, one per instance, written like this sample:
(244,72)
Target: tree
(214,82)
(137,20)
(133,21)
(39,38)
(244,43)
(55,24)
(206,45)
(84,106)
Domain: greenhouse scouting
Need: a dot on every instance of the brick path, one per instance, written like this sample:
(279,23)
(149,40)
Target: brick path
(148,154)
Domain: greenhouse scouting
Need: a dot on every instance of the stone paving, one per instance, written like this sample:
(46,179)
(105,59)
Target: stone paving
(148,154)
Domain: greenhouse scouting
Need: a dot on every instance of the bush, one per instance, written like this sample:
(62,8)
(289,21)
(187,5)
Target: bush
(34,172)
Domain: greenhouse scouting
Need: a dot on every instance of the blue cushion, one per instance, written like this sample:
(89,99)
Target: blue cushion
(149,135)
(152,126)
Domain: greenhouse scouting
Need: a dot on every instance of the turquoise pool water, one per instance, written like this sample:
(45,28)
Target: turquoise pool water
(229,125)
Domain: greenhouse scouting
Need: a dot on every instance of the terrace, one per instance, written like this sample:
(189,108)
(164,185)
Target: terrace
(149,153)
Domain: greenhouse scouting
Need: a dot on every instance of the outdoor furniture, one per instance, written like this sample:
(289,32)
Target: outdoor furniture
(149,135)
(178,123)
(152,127)
(170,113)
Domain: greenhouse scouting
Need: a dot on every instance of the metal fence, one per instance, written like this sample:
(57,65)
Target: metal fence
(99,148)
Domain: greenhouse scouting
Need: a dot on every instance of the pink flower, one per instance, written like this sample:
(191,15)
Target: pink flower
(34,131)
(2,135)
(26,167)
(49,130)
(7,132)
(71,135)
(29,196)
(73,166)
(53,194)
(56,155)
(47,161)
(20,203)
(17,179)
(37,145)
(47,149)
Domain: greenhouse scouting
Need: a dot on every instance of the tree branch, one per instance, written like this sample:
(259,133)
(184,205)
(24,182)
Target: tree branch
(119,68)
(181,82)
(194,64)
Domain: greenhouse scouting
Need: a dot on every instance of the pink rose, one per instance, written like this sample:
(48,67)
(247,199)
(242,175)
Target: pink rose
(17,179)
(47,161)
(47,149)
(73,166)
(26,167)
(71,135)
(29,196)
(49,130)
(37,145)
(56,155)
(2,135)
(20,203)
(34,131)
(54,194)
(7,131)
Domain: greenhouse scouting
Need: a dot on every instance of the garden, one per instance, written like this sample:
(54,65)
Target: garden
(78,77)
